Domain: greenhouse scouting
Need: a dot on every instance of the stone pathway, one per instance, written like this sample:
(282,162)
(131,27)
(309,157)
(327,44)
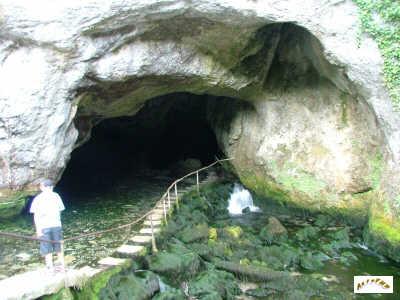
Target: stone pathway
(34,284)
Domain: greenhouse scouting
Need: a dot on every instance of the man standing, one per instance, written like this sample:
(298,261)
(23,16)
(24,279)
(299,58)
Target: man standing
(46,208)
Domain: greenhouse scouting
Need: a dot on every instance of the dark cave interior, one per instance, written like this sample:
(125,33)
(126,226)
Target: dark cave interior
(167,131)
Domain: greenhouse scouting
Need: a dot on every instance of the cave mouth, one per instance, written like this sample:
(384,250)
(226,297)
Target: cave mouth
(166,135)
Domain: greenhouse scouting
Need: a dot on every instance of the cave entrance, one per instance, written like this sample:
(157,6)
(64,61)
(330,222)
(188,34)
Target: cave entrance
(169,135)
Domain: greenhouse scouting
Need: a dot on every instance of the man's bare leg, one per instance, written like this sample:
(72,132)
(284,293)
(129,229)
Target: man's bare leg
(60,259)
(49,260)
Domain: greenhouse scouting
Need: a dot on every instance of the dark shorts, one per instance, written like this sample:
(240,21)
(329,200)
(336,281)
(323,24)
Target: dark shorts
(54,234)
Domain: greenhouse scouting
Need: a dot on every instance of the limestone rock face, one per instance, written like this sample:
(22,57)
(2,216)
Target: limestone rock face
(319,125)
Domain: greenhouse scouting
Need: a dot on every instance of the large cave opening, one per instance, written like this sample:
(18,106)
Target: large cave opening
(170,135)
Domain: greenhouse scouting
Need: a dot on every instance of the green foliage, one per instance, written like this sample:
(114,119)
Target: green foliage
(381,19)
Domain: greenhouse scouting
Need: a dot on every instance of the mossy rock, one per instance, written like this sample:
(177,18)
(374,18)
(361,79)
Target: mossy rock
(234,232)
(259,293)
(92,288)
(131,286)
(383,232)
(172,294)
(221,249)
(201,249)
(274,232)
(307,233)
(212,234)
(294,284)
(214,284)
(63,294)
(176,263)
(193,216)
(13,206)
(311,261)
(323,221)
(296,295)
(280,257)
(347,258)
(192,234)
(341,239)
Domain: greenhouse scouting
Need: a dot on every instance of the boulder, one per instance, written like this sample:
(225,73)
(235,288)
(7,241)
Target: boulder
(274,231)
(176,263)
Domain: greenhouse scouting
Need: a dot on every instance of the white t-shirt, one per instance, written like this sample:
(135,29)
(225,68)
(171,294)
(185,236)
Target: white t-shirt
(46,208)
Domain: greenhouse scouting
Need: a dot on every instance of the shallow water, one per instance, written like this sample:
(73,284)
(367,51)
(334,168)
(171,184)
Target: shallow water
(85,212)
(367,262)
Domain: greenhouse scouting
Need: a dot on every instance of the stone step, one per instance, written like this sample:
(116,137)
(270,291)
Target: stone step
(147,230)
(160,206)
(141,239)
(155,223)
(40,282)
(156,217)
(111,261)
(130,249)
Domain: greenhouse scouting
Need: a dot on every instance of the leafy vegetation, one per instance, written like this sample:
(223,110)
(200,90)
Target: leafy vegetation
(381,19)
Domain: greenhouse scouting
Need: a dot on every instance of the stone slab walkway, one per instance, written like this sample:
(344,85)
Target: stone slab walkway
(34,284)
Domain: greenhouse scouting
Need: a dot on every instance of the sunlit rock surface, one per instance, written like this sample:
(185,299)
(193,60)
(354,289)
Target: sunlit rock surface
(319,129)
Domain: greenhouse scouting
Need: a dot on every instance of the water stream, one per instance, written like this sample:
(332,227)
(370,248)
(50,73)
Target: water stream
(241,199)
(339,266)
(306,234)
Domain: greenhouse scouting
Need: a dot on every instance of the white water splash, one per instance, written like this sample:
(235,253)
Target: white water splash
(241,199)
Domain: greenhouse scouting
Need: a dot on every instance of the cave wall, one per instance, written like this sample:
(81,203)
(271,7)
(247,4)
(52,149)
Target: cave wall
(306,70)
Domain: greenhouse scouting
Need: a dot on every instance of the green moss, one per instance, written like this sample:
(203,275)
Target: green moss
(376,166)
(92,288)
(292,177)
(302,182)
(212,234)
(381,19)
(11,206)
(384,225)
(383,230)
(354,208)
(233,231)
(64,294)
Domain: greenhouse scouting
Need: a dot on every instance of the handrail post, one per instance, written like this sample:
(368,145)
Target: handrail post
(153,240)
(197,181)
(169,200)
(176,195)
(165,211)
